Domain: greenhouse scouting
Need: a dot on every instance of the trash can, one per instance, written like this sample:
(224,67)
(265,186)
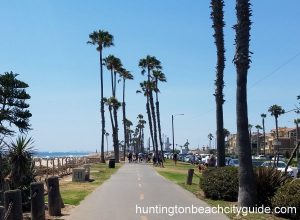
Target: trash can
(111,163)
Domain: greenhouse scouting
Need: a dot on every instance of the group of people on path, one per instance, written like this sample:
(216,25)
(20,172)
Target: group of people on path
(146,158)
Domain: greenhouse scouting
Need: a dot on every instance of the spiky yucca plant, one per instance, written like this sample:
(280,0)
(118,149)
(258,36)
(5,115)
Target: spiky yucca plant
(268,180)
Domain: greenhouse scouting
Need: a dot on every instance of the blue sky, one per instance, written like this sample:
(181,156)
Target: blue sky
(45,42)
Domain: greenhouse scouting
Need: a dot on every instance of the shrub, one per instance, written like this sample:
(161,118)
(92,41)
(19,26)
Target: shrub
(288,196)
(220,183)
(268,180)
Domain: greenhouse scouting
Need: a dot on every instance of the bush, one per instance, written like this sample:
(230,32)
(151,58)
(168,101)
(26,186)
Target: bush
(268,180)
(288,196)
(220,183)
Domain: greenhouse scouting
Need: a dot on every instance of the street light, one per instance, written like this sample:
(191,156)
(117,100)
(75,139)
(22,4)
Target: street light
(173,130)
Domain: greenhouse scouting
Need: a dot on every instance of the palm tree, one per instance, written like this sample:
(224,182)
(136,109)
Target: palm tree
(218,25)
(114,104)
(247,189)
(276,111)
(125,75)
(210,137)
(114,64)
(297,121)
(158,76)
(250,126)
(258,127)
(149,64)
(263,116)
(141,126)
(144,85)
(101,39)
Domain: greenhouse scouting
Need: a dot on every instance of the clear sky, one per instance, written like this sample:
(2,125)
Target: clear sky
(45,42)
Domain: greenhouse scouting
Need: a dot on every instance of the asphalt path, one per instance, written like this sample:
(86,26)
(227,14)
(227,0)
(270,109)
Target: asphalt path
(138,192)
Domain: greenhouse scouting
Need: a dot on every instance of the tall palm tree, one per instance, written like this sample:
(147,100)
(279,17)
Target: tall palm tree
(210,137)
(149,64)
(276,111)
(250,126)
(144,88)
(247,190)
(114,104)
(126,75)
(263,116)
(114,64)
(218,25)
(297,122)
(141,126)
(158,76)
(101,39)
(258,127)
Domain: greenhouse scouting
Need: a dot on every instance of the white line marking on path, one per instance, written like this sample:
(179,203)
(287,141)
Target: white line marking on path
(140,185)
(141,196)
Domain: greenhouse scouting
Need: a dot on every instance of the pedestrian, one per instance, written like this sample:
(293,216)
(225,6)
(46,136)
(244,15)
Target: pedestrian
(175,158)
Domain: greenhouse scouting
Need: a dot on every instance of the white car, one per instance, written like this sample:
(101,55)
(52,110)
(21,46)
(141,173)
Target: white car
(281,166)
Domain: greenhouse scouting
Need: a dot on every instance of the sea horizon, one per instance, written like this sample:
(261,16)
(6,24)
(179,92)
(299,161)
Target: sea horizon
(49,154)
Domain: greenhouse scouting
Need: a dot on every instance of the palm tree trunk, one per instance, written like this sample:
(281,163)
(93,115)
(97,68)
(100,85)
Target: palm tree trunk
(247,189)
(263,124)
(218,24)
(102,160)
(159,127)
(220,135)
(124,120)
(154,123)
(116,144)
(150,123)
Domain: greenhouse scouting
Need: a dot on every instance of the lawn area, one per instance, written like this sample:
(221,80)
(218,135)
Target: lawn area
(178,174)
(73,192)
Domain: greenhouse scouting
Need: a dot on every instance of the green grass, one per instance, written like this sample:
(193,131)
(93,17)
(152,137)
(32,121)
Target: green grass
(74,192)
(178,174)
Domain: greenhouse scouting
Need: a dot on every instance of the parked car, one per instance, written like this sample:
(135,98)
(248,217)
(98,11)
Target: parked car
(298,171)
(280,166)
(233,162)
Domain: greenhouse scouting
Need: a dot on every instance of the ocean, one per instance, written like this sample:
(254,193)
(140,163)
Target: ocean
(44,154)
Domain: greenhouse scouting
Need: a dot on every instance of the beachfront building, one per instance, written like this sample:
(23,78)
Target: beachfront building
(287,141)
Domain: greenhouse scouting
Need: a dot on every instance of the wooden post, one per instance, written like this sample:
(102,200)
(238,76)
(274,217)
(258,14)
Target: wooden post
(58,166)
(13,204)
(37,201)
(53,167)
(189,178)
(54,199)
(47,168)
(2,212)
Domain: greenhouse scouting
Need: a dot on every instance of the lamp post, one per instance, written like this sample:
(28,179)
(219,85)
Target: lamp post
(173,130)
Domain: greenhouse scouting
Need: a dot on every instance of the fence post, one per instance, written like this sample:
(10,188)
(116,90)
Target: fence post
(1,198)
(37,201)
(189,178)
(2,212)
(54,200)
(13,204)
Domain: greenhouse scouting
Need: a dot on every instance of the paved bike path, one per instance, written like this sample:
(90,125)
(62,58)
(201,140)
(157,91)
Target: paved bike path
(134,191)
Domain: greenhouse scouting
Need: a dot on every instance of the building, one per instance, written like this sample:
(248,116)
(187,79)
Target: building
(286,141)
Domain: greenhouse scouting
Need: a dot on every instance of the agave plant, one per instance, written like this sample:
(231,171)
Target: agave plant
(268,180)
(20,154)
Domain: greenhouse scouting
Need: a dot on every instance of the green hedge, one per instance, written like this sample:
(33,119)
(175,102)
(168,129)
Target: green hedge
(220,183)
(288,196)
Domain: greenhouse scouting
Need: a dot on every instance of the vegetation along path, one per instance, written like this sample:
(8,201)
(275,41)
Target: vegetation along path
(133,189)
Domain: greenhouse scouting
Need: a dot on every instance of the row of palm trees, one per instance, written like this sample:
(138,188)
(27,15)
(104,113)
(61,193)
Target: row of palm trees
(103,39)
(151,67)
(247,190)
